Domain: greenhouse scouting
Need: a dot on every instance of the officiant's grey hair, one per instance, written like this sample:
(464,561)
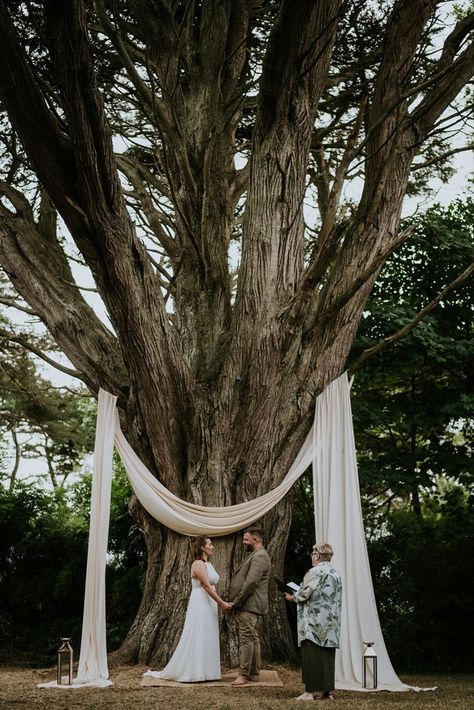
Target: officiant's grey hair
(324,550)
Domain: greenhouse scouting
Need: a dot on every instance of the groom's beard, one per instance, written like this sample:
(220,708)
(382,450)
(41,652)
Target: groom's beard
(248,548)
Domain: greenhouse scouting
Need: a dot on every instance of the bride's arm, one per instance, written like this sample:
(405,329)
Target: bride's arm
(199,571)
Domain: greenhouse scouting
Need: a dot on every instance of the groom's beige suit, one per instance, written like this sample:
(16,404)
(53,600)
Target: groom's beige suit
(249,595)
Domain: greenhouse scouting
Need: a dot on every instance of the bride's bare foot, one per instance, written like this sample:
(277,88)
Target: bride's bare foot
(305,696)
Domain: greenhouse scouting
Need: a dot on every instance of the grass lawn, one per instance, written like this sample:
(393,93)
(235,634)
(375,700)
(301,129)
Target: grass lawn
(18,690)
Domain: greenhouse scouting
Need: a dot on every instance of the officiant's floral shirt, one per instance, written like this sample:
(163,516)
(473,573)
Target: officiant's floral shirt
(319,601)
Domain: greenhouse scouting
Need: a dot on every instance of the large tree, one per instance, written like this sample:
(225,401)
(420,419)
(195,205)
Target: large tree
(228,312)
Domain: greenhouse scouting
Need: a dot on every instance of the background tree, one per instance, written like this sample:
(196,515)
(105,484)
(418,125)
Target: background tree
(413,404)
(37,420)
(226,116)
(43,554)
(412,401)
(422,580)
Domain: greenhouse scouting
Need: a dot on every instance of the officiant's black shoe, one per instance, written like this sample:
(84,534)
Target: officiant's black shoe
(327,695)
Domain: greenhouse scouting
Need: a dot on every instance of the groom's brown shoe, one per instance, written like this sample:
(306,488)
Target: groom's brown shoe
(240,680)
(254,678)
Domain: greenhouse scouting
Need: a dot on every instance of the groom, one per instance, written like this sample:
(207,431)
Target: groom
(249,596)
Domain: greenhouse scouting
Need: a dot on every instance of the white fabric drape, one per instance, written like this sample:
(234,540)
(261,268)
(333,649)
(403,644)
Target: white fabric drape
(338,520)
(330,447)
(93,658)
(190,519)
(93,670)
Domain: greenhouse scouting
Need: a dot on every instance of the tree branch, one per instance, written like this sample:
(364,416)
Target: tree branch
(48,147)
(302,34)
(387,112)
(11,303)
(16,465)
(439,158)
(454,40)
(334,195)
(370,352)
(132,172)
(375,263)
(38,268)
(24,342)
(291,84)
(154,108)
(456,73)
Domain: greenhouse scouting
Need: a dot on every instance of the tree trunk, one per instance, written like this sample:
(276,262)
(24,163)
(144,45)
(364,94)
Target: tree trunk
(238,447)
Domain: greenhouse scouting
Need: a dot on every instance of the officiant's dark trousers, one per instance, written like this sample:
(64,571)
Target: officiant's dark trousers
(318,666)
(249,643)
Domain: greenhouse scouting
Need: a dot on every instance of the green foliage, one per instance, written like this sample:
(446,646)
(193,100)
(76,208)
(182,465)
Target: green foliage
(413,402)
(41,569)
(43,553)
(423,569)
(58,423)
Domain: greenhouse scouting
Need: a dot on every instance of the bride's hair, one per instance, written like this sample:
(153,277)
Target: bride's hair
(198,544)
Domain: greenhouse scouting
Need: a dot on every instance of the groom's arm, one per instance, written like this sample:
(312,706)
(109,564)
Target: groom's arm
(257,568)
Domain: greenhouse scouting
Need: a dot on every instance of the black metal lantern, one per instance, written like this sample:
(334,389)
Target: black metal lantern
(369,666)
(65,659)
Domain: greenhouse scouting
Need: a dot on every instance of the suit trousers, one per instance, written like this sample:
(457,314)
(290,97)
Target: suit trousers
(249,643)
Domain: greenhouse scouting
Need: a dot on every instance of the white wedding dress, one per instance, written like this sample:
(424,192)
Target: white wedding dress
(197,655)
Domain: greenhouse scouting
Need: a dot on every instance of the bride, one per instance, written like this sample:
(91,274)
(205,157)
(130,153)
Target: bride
(197,655)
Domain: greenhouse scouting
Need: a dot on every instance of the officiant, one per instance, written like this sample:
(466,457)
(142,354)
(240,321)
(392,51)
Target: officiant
(318,603)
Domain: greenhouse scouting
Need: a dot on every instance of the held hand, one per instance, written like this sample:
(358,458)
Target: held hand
(289,597)
(226,606)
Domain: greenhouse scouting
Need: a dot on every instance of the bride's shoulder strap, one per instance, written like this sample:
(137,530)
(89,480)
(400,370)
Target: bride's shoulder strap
(198,566)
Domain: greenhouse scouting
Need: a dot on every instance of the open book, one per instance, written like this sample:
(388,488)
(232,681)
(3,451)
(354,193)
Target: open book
(290,587)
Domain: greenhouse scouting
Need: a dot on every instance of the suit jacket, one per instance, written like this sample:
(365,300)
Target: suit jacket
(249,584)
